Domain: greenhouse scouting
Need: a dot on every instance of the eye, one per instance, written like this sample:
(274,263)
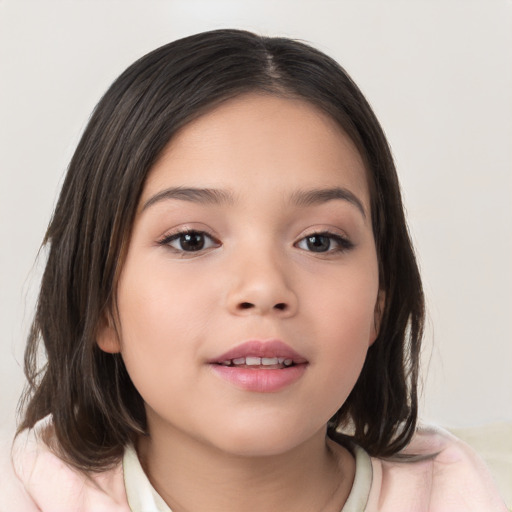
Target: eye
(324,242)
(190,241)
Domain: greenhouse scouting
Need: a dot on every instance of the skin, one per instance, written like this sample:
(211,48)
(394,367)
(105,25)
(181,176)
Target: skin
(255,278)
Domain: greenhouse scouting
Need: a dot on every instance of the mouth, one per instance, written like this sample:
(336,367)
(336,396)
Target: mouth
(259,363)
(260,366)
(261,355)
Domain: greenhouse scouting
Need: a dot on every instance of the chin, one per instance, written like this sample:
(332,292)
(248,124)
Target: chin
(262,440)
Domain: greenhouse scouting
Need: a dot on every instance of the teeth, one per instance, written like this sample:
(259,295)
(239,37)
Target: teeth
(257,361)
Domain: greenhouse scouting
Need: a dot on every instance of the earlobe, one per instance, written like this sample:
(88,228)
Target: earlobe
(377,316)
(107,337)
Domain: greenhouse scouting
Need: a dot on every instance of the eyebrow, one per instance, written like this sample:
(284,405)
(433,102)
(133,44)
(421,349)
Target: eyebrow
(304,198)
(194,195)
(300,198)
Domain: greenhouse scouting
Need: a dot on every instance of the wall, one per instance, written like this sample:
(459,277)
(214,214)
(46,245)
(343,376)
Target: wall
(439,76)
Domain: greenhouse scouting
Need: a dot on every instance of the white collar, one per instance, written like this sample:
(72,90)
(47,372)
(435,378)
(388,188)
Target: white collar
(142,497)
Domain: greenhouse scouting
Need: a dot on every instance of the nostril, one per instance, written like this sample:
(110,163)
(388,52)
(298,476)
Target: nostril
(280,306)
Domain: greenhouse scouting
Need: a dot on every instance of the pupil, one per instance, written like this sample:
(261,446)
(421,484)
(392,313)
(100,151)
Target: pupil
(192,242)
(318,243)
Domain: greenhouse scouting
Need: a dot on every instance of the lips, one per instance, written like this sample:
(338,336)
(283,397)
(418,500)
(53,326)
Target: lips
(260,366)
(264,350)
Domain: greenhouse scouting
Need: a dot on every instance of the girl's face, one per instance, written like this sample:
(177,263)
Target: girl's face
(248,298)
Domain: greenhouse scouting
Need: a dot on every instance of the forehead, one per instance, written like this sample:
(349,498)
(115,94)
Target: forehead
(259,143)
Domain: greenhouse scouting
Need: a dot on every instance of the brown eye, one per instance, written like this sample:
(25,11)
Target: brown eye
(189,241)
(318,243)
(324,242)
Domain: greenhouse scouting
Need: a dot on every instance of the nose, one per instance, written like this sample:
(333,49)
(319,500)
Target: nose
(261,286)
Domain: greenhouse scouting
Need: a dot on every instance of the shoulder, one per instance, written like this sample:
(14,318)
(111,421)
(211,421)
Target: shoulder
(12,493)
(33,478)
(436,473)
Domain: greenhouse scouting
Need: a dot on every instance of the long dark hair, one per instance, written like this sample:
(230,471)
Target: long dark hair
(95,408)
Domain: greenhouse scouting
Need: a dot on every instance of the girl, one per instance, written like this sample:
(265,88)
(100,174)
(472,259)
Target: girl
(231,308)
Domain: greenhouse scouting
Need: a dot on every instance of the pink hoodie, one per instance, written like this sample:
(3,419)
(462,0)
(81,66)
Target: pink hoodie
(454,480)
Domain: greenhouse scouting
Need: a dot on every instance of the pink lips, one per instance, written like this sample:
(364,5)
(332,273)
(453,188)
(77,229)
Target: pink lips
(260,379)
(253,348)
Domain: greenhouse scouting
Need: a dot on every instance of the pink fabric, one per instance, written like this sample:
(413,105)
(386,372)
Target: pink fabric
(455,480)
(34,479)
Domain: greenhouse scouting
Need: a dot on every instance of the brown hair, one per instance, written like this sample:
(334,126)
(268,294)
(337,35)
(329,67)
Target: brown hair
(95,408)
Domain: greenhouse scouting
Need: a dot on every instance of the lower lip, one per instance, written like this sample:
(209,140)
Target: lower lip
(260,380)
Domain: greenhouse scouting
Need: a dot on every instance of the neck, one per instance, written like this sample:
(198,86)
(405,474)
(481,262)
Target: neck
(191,475)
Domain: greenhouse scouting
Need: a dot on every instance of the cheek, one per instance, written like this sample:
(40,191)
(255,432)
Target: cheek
(161,299)
(343,313)
(157,312)
(345,302)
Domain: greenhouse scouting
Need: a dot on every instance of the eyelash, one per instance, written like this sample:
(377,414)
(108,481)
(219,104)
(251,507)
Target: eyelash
(343,244)
(166,241)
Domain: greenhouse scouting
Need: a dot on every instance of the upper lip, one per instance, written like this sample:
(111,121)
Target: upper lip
(257,348)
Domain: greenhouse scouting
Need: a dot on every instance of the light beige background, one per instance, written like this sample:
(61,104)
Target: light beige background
(439,75)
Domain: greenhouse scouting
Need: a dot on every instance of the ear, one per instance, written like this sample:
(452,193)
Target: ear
(107,337)
(377,316)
